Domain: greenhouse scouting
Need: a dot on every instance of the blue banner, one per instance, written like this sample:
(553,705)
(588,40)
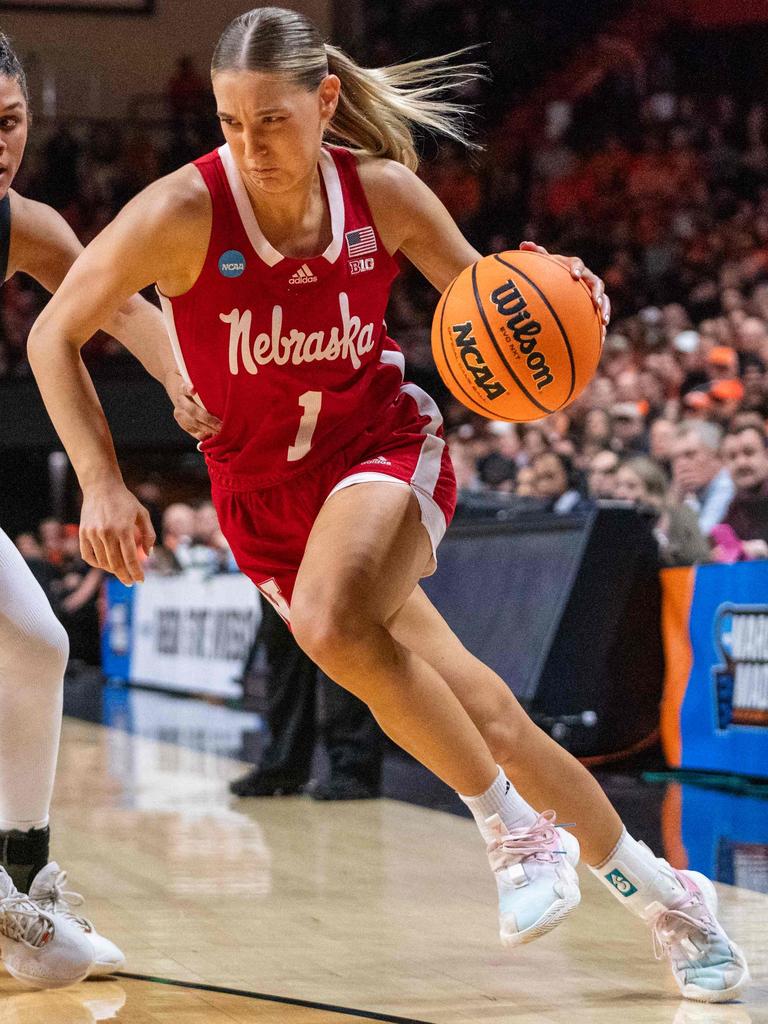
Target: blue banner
(726,836)
(117,630)
(724,713)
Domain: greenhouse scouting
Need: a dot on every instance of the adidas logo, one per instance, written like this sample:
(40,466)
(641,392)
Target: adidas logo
(303,276)
(378,461)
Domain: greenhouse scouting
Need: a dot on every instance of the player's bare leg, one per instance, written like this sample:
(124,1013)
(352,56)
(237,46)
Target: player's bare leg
(544,772)
(679,906)
(365,555)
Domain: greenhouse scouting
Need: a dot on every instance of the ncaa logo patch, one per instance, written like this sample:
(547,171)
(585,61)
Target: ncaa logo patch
(231,263)
(621,883)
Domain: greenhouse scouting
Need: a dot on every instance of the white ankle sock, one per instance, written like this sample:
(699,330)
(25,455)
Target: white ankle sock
(503,799)
(637,878)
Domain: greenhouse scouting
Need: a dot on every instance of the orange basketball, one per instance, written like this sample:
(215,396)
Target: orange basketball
(515,337)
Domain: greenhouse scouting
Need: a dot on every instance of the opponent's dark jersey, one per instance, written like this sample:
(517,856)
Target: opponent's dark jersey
(5,235)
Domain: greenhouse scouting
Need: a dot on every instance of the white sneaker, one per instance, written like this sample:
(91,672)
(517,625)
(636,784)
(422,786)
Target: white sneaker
(41,949)
(536,877)
(47,890)
(707,966)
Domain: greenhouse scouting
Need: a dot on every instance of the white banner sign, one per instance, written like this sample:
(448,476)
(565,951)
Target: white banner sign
(194,635)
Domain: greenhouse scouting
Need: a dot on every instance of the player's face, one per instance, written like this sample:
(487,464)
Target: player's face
(13,130)
(273,126)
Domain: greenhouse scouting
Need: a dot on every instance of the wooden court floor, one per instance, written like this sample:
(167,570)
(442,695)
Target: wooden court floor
(376,907)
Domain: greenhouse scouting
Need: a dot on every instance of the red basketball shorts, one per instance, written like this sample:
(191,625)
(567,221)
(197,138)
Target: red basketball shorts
(268,528)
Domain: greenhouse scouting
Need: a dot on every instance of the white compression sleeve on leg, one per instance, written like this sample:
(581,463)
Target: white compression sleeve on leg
(33,657)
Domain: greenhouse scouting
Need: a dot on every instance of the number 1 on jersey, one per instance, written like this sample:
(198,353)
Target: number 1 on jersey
(310,402)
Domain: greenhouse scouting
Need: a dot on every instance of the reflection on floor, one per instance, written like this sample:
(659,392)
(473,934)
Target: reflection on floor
(725,835)
(379,906)
(148,1002)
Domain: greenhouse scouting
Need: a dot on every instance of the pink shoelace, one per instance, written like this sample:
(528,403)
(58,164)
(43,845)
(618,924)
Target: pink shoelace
(537,841)
(674,926)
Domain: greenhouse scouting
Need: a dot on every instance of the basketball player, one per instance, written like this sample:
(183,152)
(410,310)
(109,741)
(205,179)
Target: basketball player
(42,941)
(274,257)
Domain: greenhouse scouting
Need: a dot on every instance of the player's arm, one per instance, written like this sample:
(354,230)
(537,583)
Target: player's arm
(410,218)
(150,240)
(44,246)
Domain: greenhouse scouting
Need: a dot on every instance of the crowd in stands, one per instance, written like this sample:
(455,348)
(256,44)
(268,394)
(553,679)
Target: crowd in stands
(188,540)
(662,188)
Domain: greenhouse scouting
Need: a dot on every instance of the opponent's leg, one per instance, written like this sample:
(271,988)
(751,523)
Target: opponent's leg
(679,906)
(365,554)
(33,658)
(36,947)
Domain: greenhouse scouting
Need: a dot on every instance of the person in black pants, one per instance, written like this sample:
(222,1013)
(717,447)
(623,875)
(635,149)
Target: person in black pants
(353,740)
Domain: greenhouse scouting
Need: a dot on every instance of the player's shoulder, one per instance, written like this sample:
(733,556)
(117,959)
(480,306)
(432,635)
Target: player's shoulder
(387,180)
(177,199)
(394,194)
(39,234)
(32,220)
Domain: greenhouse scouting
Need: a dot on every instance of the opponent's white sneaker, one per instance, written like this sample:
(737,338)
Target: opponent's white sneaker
(707,966)
(535,871)
(41,949)
(47,890)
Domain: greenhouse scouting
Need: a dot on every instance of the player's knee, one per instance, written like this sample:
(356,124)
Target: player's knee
(46,650)
(328,636)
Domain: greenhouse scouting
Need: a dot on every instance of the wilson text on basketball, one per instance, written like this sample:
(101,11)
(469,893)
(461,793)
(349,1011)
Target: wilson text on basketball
(472,358)
(512,305)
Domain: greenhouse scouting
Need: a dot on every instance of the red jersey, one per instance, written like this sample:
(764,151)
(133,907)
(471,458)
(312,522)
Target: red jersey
(290,353)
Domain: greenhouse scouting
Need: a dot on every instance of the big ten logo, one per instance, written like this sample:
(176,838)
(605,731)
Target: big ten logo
(741,679)
(361,266)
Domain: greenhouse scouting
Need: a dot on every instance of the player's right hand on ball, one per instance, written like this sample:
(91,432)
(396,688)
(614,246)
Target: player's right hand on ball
(113,524)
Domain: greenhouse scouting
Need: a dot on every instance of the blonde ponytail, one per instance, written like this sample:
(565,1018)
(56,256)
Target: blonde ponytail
(379,108)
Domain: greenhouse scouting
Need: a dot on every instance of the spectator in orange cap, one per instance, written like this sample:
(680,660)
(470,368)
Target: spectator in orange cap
(697,405)
(726,397)
(722,363)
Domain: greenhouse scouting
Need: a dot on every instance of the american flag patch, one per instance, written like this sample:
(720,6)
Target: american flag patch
(361,242)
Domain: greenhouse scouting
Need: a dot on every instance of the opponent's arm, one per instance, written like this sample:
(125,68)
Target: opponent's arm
(410,218)
(44,246)
(150,240)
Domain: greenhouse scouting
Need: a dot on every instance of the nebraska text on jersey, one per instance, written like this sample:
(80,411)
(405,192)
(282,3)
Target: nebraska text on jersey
(350,341)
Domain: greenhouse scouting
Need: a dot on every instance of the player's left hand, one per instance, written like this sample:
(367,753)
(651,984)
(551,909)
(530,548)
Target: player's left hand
(187,412)
(580,273)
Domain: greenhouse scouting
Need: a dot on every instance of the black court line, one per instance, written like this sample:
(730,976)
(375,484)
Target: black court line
(285,1000)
